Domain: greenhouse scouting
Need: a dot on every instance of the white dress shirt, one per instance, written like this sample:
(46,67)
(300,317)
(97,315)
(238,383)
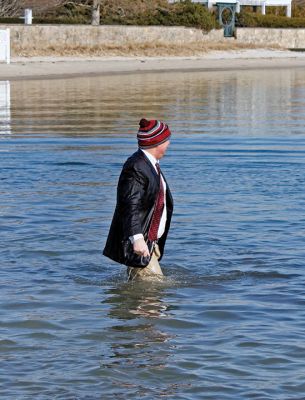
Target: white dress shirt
(161,229)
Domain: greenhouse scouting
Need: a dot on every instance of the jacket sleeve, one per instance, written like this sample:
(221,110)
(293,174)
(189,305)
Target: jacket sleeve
(131,189)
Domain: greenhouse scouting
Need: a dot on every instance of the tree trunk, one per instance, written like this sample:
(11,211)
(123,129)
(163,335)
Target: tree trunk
(95,19)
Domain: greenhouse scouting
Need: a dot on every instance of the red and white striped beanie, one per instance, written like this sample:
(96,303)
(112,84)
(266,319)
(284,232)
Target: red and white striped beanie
(152,133)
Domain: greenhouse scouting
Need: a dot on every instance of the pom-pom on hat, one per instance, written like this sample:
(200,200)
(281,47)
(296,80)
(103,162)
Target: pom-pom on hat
(152,133)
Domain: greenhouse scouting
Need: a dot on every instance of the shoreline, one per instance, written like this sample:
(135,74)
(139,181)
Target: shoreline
(29,68)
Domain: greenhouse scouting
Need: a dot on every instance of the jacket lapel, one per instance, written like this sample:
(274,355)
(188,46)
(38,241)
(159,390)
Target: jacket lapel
(142,155)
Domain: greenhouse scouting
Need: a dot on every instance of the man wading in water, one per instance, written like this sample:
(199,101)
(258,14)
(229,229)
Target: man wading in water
(144,206)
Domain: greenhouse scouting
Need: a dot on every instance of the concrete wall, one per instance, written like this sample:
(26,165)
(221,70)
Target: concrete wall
(59,37)
(286,38)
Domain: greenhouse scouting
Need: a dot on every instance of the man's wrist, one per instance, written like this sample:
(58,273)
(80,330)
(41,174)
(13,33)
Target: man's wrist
(136,237)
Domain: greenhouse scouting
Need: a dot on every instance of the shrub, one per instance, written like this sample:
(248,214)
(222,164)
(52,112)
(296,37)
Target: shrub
(184,13)
(298,11)
(46,20)
(11,20)
(149,12)
(253,20)
(70,13)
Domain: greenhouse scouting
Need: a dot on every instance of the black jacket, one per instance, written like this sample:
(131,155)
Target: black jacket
(137,191)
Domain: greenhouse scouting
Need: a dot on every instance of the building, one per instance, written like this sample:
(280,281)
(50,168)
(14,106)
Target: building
(253,3)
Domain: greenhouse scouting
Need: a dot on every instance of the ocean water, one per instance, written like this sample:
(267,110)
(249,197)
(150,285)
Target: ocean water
(228,320)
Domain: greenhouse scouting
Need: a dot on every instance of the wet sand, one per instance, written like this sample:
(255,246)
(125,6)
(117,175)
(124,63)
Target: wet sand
(65,67)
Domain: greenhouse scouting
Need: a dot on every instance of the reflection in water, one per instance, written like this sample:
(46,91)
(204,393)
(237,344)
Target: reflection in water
(5,107)
(237,102)
(130,300)
(137,342)
(137,347)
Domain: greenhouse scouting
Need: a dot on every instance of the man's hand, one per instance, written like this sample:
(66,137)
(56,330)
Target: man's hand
(140,247)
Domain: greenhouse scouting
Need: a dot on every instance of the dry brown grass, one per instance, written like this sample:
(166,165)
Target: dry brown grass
(136,50)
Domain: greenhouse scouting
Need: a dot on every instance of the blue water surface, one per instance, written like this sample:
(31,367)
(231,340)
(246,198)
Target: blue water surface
(228,321)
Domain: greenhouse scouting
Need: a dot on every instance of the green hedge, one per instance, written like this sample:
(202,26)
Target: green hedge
(47,21)
(184,13)
(8,20)
(62,20)
(253,20)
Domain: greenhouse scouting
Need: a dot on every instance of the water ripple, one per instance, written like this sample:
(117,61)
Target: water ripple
(227,320)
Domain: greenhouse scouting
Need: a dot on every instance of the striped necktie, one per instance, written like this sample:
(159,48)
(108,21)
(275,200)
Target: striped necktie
(159,206)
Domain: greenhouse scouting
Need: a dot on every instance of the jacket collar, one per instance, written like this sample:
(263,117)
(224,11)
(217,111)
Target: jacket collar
(151,158)
(146,159)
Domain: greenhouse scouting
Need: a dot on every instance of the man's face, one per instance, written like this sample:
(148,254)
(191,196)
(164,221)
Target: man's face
(161,149)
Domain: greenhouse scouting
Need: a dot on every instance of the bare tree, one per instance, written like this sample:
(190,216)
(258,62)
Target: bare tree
(12,8)
(9,8)
(96,12)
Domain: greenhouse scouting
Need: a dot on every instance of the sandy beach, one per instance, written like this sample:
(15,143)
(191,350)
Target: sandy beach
(65,67)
